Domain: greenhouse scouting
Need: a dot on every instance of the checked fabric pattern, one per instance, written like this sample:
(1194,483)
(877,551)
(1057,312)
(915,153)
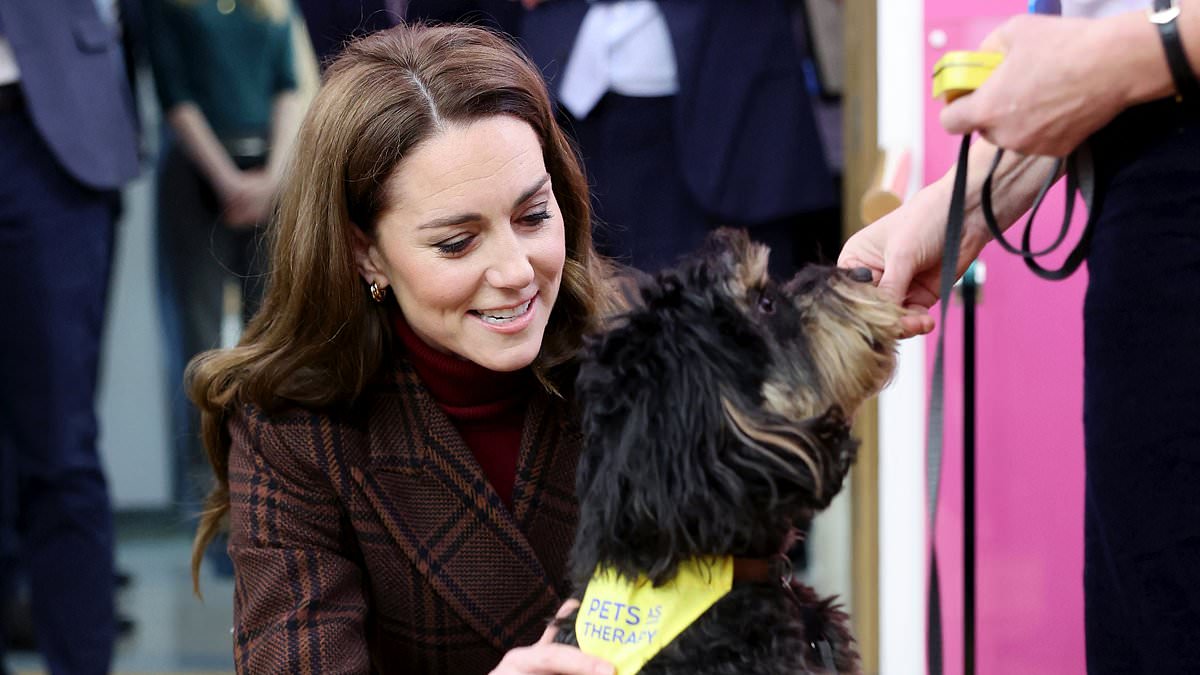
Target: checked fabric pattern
(369,541)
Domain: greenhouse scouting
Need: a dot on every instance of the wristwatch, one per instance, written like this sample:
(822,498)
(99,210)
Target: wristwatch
(1165,16)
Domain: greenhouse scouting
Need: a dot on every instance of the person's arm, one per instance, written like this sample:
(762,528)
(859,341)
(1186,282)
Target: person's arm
(203,148)
(903,249)
(244,195)
(163,26)
(233,187)
(286,108)
(294,583)
(286,113)
(1063,79)
(1190,27)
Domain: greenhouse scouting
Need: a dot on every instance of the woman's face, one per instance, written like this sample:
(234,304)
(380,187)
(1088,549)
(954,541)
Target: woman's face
(471,242)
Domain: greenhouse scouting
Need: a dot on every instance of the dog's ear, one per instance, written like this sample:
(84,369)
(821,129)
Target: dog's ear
(809,457)
(743,260)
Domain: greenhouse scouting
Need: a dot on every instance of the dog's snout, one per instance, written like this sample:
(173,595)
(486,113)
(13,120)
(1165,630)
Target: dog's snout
(861,274)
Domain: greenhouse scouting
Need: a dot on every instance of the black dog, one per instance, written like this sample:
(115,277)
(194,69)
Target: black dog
(716,419)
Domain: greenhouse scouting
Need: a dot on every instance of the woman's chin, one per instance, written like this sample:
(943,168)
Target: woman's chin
(510,359)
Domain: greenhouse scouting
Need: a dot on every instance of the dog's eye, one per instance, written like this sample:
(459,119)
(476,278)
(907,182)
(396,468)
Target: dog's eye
(766,304)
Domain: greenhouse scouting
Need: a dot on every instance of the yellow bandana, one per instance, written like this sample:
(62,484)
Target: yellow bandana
(627,623)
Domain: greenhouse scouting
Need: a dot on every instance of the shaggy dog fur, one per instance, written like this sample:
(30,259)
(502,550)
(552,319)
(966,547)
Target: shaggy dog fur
(716,419)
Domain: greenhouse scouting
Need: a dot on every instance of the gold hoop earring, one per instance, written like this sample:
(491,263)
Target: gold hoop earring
(378,293)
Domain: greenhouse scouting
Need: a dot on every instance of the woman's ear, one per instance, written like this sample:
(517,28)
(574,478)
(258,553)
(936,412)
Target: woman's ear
(366,258)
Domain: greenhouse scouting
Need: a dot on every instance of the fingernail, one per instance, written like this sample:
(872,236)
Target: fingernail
(605,669)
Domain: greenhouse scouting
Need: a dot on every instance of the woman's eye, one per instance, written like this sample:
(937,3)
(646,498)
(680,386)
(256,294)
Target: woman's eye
(766,304)
(537,217)
(453,247)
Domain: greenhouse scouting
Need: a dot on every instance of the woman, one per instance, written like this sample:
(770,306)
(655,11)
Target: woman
(392,439)
(227,86)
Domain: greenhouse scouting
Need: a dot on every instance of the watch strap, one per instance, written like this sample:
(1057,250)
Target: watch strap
(1186,83)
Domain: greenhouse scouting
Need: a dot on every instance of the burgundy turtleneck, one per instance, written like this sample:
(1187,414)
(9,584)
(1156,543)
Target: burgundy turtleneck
(487,407)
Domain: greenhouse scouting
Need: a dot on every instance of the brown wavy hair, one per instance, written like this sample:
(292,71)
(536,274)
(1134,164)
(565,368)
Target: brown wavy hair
(318,340)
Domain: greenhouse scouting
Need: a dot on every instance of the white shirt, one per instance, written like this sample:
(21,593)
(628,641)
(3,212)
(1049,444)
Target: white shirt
(9,72)
(624,47)
(1102,8)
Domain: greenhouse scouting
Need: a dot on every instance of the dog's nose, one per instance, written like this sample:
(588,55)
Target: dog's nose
(861,274)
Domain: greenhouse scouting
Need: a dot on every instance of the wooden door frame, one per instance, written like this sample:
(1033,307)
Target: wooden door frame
(862,155)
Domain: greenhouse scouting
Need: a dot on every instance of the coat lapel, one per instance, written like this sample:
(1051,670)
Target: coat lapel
(487,563)
(544,504)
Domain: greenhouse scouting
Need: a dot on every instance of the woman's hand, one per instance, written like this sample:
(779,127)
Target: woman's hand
(1060,81)
(903,250)
(548,658)
(904,263)
(246,198)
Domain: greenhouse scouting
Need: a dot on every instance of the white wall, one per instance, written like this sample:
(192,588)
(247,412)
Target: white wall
(902,94)
(131,405)
(133,414)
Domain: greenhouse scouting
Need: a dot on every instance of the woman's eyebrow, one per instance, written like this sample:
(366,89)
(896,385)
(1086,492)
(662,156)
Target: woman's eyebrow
(531,191)
(449,221)
(461,218)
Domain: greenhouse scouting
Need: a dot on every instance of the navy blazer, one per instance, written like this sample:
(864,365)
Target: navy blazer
(332,24)
(748,145)
(73,79)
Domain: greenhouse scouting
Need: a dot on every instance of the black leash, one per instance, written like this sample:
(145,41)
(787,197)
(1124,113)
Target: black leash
(933,434)
(1081,180)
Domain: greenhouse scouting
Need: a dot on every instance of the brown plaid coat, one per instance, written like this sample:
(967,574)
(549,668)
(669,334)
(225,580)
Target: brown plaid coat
(369,540)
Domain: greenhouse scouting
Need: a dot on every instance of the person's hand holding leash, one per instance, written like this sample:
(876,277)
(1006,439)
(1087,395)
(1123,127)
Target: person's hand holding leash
(1061,80)
(903,250)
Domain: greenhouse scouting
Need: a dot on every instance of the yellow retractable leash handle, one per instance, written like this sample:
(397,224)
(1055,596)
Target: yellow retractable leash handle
(960,73)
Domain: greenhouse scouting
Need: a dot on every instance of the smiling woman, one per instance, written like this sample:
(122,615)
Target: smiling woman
(393,439)
(479,283)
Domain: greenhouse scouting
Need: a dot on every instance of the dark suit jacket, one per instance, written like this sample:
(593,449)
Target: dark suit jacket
(370,539)
(747,142)
(72,76)
(332,24)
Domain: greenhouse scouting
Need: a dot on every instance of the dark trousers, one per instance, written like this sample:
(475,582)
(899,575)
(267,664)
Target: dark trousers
(1142,397)
(56,240)
(645,214)
(198,255)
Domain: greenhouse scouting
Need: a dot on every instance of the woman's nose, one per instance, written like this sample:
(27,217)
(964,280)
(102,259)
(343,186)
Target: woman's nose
(509,266)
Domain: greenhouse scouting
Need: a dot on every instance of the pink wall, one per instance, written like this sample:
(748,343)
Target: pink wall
(1029,457)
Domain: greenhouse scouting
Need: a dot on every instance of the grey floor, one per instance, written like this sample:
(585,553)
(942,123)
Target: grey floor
(175,632)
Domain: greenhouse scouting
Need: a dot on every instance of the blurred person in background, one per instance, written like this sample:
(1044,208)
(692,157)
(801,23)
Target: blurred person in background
(226,82)
(394,439)
(502,15)
(332,23)
(689,115)
(67,145)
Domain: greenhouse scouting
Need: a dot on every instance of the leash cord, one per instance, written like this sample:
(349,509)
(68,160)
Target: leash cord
(1081,180)
(934,433)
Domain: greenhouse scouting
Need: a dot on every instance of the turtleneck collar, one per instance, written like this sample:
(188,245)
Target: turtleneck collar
(464,389)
